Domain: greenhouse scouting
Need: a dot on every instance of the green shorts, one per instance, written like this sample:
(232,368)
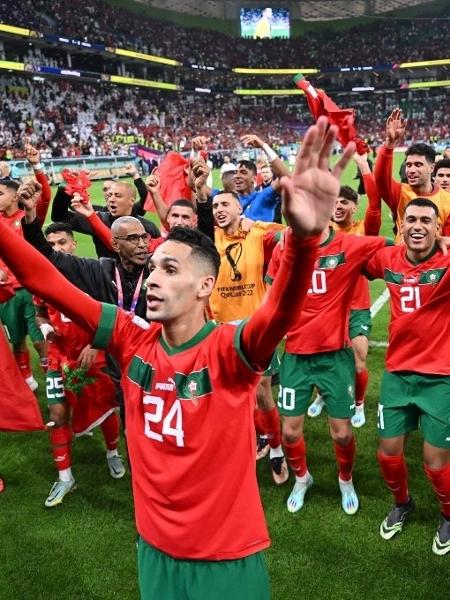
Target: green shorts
(274,366)
(18,315)
(162,577)
(54,388)
(360,323)
(333,373)
(410,401)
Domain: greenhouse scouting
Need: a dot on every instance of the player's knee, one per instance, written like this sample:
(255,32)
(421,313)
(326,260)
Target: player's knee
(291,431)
(59,414)
(435,458)
(341,433)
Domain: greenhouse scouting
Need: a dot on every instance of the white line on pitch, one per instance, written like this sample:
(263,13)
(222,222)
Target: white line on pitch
(379,303)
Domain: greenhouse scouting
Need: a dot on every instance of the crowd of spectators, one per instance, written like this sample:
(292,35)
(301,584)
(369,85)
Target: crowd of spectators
(71,119)
(383,41)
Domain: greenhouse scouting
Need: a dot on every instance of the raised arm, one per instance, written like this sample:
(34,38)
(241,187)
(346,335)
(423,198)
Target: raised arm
(99,229)
(309,197)
(388,187)
(139,183)
(34,159)
(41,278)
(278,167)
(372,217)
(153,186)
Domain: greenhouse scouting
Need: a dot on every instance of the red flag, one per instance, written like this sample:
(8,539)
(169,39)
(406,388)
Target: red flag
(173,178)
(322,105)
(19,409)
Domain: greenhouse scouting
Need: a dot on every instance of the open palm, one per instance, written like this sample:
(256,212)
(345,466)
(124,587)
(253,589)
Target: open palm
(310,194)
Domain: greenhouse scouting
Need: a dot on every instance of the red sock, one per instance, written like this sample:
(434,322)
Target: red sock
(258,420)
(296,454)
(395,475)
(361,381)
(110,428)
(61,440)
(23,362)
(440,481)
(270,422)
(345,456)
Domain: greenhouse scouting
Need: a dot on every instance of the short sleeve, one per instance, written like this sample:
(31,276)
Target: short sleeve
(274,265)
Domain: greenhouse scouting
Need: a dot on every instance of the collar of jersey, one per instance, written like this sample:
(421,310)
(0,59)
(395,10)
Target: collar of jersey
(329,238)
(417,262)
(198,337)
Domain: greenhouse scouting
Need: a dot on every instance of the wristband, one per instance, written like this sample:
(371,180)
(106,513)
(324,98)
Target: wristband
(46,328)
(38,167)
(271,154)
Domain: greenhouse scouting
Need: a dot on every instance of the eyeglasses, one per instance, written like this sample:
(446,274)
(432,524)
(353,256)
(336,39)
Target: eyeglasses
(134,238)
(233,261)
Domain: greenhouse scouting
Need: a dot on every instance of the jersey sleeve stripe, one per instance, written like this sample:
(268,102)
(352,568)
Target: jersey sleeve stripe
(105,327)
(237,347)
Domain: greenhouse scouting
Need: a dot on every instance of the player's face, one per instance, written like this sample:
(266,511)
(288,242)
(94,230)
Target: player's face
(131,243)
(181,216)
(8,198)
(244,180)
(267,175)
(443,178)
(120,200)
(107,185)
(176,283)
(418,170)
(420,228)
(226,210)
(61,241)
(344,210)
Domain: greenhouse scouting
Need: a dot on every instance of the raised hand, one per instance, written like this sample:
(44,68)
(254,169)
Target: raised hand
(32,154)
(200,172)
(310,194)
(131,170)
(362,163)
(395,128)
(199,142)
(80,206)
(28,194)
(252,140)
(153,182)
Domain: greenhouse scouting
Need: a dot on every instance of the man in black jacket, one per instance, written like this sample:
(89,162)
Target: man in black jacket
(119,203)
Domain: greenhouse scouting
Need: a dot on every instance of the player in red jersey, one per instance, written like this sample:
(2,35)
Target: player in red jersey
(18,314)
(76,383)
(318,354)
(360,323)
(190,384)
(416,383)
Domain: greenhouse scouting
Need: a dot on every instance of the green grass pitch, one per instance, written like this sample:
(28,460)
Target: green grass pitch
(85,549)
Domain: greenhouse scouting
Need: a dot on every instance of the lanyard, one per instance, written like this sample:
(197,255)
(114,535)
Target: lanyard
(120,291)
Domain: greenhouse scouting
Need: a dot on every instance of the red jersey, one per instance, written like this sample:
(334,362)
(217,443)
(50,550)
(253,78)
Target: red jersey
(185,406)
(419,330)
(322,325)
(14,223)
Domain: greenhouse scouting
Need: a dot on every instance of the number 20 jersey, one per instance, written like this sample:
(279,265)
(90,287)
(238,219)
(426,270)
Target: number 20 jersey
(322,324)
(419,331)
(190,437)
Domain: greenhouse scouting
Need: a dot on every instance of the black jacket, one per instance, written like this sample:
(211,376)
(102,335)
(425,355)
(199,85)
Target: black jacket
(94,276)
(61,213)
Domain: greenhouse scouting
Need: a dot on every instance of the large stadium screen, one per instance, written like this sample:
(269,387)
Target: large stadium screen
(260,23)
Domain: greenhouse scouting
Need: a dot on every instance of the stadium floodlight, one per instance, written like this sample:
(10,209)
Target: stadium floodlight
(11,65)
(428,84)
(269,92)
(250,71)
(149,57)
(424,63)
(16,30)
(144,83)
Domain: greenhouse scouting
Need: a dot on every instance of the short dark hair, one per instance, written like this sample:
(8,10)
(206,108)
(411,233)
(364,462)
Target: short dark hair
(423,202)
(58,227)
(422,150)
(202,246)
(444,163)
(348,193)
(234,194)
(11,184)
(248,164)
(183,202)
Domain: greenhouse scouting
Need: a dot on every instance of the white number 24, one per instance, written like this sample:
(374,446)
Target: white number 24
(175,414)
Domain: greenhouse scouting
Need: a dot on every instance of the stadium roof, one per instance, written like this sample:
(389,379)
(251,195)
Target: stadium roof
(307,10)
